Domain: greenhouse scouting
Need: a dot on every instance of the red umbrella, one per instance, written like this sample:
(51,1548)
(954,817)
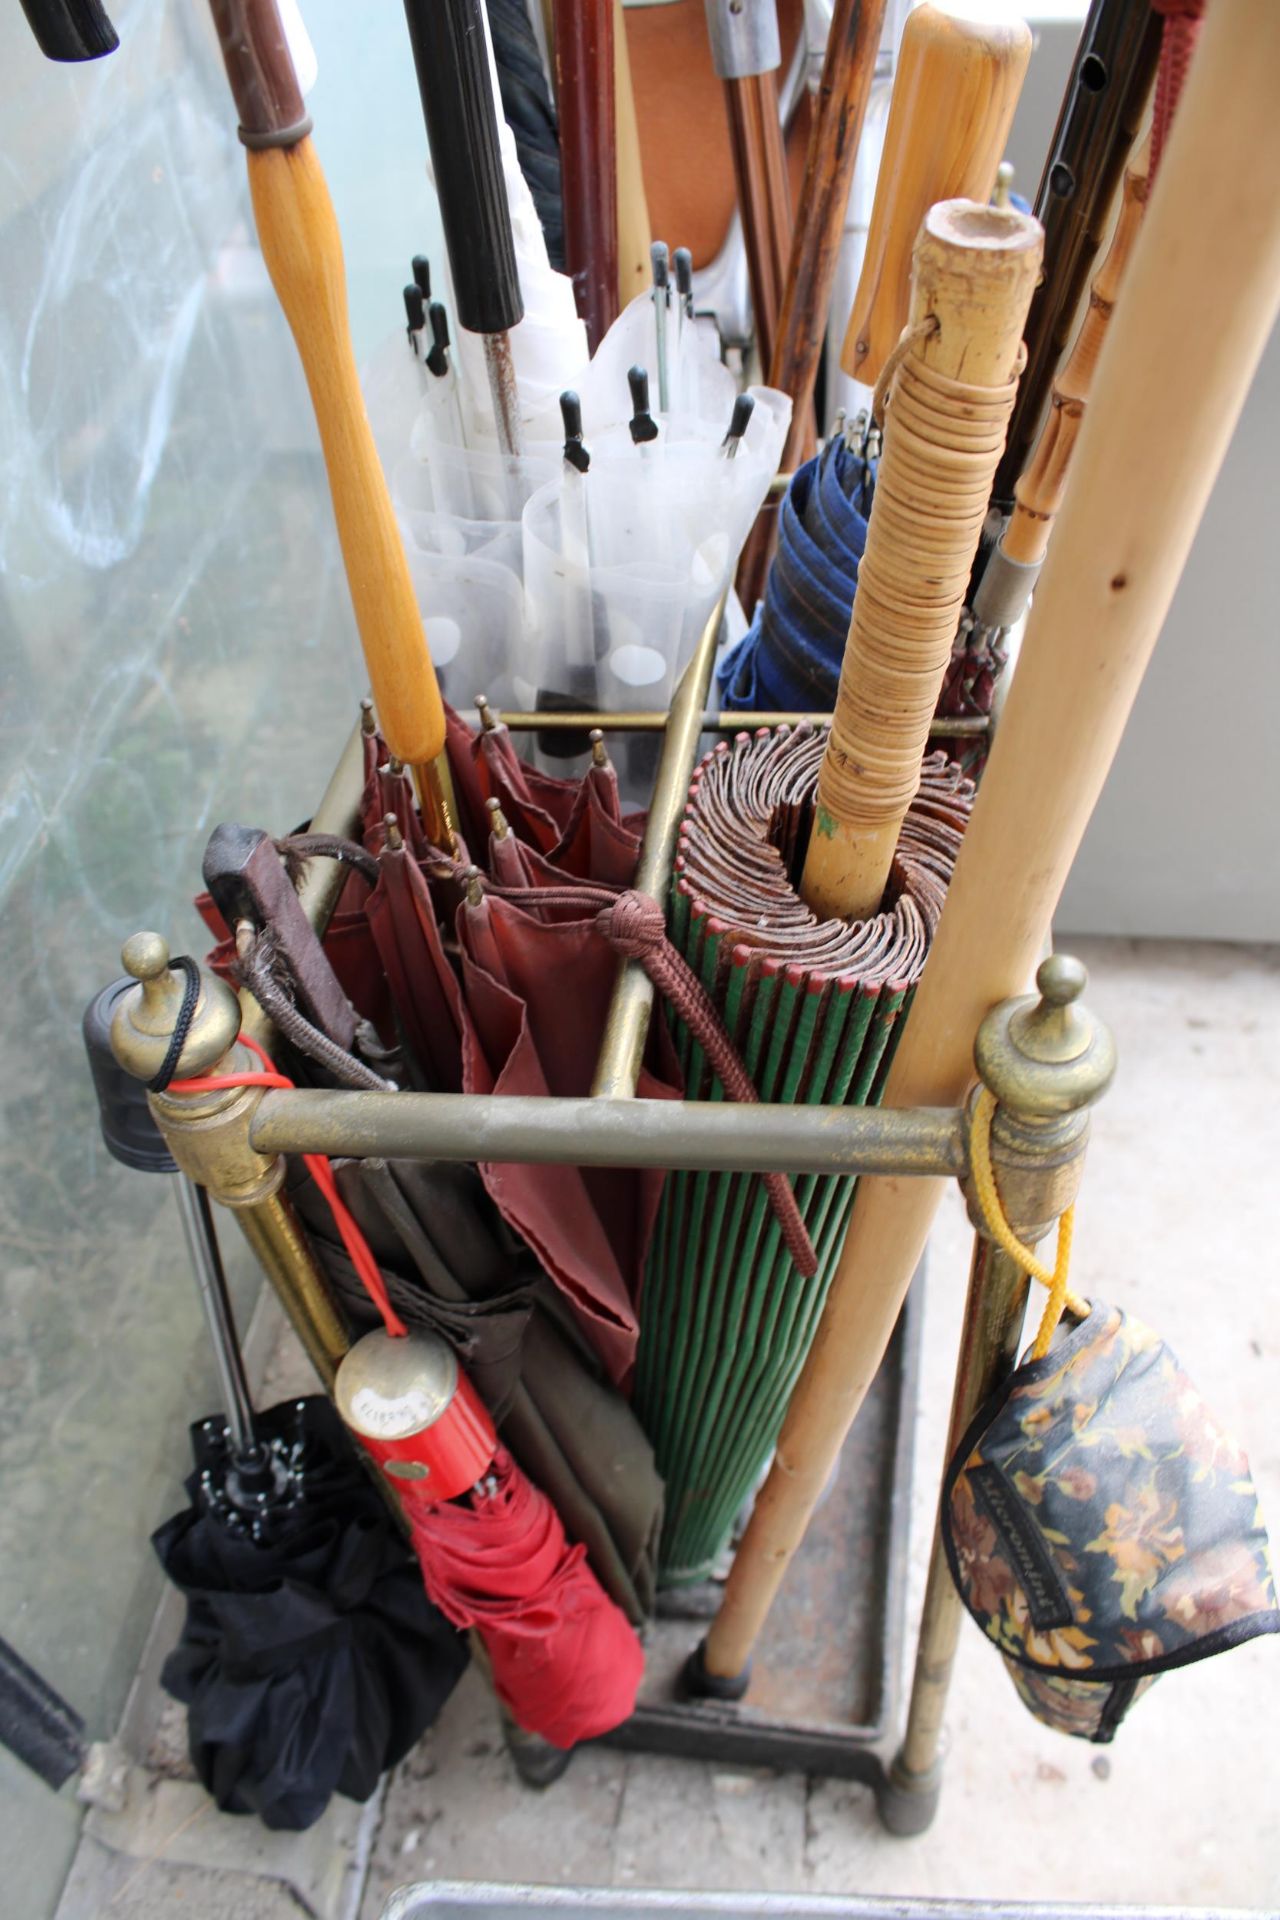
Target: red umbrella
(565,1663)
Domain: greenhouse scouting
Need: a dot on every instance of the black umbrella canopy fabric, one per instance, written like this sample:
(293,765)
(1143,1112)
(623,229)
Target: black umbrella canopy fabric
(311,1659)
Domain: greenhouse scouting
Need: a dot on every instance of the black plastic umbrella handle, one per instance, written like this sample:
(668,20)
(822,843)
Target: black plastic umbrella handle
(450,53)
(70,29)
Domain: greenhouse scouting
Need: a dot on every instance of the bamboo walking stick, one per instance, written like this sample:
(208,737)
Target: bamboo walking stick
(1014,564)
(1202,292)
(303,251)
(1098,123)
(954,95)
(947,406)
(838,113)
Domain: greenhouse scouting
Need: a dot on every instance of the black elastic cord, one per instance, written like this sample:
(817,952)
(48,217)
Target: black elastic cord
(181,1026)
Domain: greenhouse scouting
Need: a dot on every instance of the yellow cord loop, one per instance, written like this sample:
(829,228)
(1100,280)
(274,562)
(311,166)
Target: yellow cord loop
(997,1225)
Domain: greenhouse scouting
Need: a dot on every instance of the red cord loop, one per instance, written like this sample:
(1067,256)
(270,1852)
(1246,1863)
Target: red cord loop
(358,1249)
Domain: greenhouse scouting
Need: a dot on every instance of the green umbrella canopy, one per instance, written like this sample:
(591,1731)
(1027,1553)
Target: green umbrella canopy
(814,1008)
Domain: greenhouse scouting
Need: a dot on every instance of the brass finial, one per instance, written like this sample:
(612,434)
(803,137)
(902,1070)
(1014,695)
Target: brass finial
(368,724)
(395,839)
(146,1016)
(599,758)
(394,767)
(1047,1056)
(487,720)
(1004,184)
(473,880)
(498,823)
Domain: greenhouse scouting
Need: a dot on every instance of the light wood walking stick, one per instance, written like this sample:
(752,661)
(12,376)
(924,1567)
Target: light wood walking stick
(948,393)
(303,252)
(1202,292)
(954,95)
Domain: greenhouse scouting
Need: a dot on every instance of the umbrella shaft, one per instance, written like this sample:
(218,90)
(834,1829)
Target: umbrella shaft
(504,393)
(211,1279)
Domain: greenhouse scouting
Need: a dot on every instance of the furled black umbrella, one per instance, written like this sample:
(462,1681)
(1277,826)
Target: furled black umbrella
(310,1659)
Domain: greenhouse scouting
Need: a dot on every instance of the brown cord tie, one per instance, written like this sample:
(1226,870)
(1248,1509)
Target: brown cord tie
(635,926)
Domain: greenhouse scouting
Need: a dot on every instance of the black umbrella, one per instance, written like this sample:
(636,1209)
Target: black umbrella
(311,1658)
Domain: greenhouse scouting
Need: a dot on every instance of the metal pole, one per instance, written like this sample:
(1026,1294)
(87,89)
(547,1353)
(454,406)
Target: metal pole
(211,1279)
(627,1027)
(993,1314)
(655,720)
(552,1129)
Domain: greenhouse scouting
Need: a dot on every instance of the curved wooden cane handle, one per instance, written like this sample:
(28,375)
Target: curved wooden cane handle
(1040,488)
(954,96)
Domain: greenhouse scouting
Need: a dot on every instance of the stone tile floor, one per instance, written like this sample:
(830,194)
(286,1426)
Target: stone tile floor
(1175,1222)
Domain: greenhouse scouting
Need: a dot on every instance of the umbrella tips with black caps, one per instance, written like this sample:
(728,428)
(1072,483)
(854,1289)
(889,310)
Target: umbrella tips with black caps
(642,425)
(743,408)
(571,415)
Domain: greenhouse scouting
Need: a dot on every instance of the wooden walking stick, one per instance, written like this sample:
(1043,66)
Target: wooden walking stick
(586,105)
(1202,292)
(838,113)
(303,251)
(746,53)
(954,94)
(634,230)
(947,404)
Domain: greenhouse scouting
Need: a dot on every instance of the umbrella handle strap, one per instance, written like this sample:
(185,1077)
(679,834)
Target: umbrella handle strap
(635,926)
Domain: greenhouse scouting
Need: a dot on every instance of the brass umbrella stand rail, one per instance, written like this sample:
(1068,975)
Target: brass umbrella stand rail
(1045,1061)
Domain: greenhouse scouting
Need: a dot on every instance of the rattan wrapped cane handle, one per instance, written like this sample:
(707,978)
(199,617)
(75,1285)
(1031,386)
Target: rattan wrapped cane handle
(948,406)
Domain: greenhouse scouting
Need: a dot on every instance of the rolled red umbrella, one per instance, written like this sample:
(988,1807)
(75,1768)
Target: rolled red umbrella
(494,1556)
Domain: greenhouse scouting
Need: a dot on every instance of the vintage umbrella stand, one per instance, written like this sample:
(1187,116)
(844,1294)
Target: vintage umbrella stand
(820,1694)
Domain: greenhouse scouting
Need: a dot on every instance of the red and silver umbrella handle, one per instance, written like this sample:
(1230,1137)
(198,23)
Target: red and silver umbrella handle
(416,1414)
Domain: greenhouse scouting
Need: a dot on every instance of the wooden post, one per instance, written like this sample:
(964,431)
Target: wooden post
(1202,293)
(946,413)
(634,232)
(954,95)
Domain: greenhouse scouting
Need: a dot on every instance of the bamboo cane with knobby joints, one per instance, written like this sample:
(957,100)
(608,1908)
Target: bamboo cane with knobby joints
(1014,565)
(303,252)
(954,95)
(839,110)
(1202,292)
(947,405)
(1098,122)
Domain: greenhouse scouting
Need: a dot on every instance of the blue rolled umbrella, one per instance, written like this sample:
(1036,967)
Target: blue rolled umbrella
(790,658)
